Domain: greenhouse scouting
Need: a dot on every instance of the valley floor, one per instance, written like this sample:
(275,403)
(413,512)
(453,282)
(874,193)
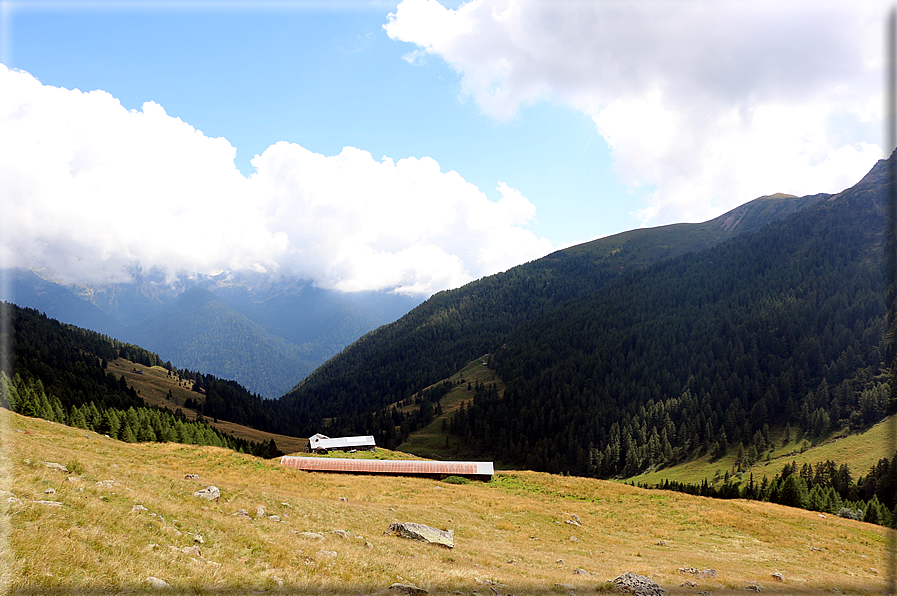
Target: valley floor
(123,513)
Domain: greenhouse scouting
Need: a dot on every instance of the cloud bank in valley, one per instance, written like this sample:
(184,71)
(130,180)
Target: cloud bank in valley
(92,189)
(710,104)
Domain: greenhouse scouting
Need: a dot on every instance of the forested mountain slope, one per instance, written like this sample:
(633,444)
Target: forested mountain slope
(440,336)
(59,372)
(704,351)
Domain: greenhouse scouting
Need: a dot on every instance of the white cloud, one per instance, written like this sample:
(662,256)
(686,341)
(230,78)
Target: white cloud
(709,103)
(91,189)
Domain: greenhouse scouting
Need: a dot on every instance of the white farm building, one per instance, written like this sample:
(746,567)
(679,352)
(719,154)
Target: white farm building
(321,442)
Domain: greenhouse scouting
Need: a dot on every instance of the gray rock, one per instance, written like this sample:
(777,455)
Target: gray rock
(58,467)
(49,503)
(407,589)
(210,493)
(342,533)
(311,535)
(155,582)
(326,554)
(138,508)
(574,521)
(274,518)
(193,551)
(191,477)
(580,571)
(241,512)
(778,576)
(752,588)
(637,584)
(423,533)
(260,511)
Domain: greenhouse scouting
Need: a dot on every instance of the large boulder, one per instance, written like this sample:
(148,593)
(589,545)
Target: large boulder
(637,584)
(423,533)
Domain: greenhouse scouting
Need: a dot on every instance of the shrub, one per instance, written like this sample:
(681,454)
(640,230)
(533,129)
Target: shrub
(456,480)
(856,514)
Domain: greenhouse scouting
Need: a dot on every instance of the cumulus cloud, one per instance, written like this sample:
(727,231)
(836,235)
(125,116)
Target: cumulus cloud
(710,104)
(92,190)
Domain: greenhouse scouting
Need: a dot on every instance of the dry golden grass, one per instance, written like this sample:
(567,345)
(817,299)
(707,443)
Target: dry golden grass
(511,531)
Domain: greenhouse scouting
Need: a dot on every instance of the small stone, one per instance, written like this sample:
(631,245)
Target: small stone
(155,582)
(50,491)
(822,515)
(260,511)
(326,554)
(58,467)
(344,499)
(778,576)
(565,586)
(342,533)
(873,570)
(574,521)
(688,584)
(560,561)
(406,589)
(275,518)
(241,512)
(193,551)
(191,477)
(753,588)
(311,535)
(368,545)
(661,543)
(198,538)
(573,539)
(580,571)
(210,493)
(74,478)
(277,581)
(49,503)
(138,508)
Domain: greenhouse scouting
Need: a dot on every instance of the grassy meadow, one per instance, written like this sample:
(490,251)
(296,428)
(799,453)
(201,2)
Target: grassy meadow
(153,384)
(125,512)
(859,451)
(431,441)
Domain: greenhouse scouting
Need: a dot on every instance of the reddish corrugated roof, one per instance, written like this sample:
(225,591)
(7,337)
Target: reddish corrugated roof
(379,466)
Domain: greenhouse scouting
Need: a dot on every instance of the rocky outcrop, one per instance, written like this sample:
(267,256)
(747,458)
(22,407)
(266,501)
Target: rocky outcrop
(423,533)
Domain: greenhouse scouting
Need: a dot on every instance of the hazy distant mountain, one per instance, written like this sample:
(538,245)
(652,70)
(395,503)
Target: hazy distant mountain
(265,332)
(24,288)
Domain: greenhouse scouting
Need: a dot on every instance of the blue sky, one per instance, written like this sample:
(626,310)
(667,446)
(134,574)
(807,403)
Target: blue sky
(596,117)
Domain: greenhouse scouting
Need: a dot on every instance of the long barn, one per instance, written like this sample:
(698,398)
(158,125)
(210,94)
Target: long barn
(476,470)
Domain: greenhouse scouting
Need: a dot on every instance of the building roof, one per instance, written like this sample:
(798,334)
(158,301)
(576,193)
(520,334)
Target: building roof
(324,442)
(395,467)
